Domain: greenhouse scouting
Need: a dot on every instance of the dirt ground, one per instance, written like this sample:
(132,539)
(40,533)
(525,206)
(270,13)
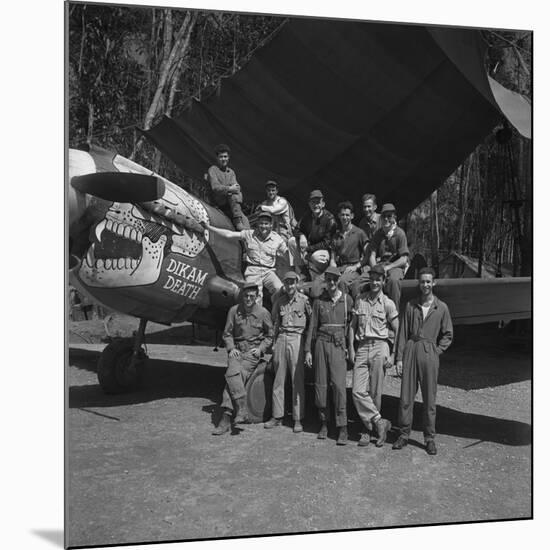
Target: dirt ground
(144,467)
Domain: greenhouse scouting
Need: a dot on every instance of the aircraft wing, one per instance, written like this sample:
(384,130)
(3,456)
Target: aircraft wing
(326,104)
(474,301)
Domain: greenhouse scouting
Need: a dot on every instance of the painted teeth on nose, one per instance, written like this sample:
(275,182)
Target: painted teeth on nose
(127,232)
(109,225)
(99,230)
(120,230)
(133,235)
(121,263)
(99,264)
(108,264)
(139,237)
(134,263)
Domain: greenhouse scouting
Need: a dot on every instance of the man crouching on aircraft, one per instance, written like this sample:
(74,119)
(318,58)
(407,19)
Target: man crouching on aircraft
(262,246)
(247,335)
(426,332)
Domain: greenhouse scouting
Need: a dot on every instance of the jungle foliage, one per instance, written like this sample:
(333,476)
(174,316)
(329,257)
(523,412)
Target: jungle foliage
(128,66)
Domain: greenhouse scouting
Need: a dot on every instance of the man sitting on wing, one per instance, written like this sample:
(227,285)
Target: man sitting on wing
(370,222)
(262,246)
(226,190)
(348,245)
(313,237)
(283,215)
(389,247)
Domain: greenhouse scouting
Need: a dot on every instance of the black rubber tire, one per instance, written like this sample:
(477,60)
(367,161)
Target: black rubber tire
(112,368)
(259,390)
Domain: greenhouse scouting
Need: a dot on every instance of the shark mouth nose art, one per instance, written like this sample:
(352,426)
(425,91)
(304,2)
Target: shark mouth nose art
(128,249)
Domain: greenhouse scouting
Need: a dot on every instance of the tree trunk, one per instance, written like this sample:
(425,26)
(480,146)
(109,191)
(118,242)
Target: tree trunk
(177,51)
(90,133)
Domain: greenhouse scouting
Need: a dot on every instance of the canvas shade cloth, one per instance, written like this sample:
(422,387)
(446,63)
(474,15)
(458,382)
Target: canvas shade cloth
(346,107)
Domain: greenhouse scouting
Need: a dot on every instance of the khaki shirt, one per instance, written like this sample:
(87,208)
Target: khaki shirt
(264,252)
(290,315)
(373,317)
(245,331)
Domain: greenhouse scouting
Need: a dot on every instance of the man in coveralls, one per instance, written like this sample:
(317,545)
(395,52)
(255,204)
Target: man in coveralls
(426,332)
(226,191)
(374,313)
(329,321)
(291,314)
(247,335)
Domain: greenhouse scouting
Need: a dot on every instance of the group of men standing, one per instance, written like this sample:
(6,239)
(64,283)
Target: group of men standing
(355,274)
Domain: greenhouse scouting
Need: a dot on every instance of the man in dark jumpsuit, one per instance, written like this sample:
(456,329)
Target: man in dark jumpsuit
(426,331)
(225,189)
(328,327)
(247,335)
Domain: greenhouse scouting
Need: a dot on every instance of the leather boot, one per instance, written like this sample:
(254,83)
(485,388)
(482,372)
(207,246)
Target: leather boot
(242,411)
(383,426)
(224,425)
(342,436)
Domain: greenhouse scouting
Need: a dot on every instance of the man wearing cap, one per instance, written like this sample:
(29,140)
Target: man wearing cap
(247,335)
(426,332)
(291,313)
(389,247)
(328,327)
(373,314)
(313,236)
(226,191)
(283,216)
(262,246)
(348,244)
(370,222)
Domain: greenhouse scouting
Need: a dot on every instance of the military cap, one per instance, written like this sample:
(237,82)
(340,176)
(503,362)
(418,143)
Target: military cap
(291,275)
(378,268)
(331,270)
(388,207)
(271,183)
(222,148)
(250,285)
(316,194)
(264,214)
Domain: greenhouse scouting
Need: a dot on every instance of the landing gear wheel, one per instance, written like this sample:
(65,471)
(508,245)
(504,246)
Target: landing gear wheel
(117,370)
(259,390)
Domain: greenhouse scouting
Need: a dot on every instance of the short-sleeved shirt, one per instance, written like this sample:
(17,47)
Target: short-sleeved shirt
(291,315)
(246,330)
(348,248)
(262,252)
(374,317)
(389,248)
(370,226)
(220,180)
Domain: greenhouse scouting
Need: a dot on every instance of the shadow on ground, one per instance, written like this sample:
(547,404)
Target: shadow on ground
(171,379)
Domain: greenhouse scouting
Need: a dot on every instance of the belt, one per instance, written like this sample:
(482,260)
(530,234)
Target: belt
(370,340)
(416,338)
(336,338)
(248,264)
